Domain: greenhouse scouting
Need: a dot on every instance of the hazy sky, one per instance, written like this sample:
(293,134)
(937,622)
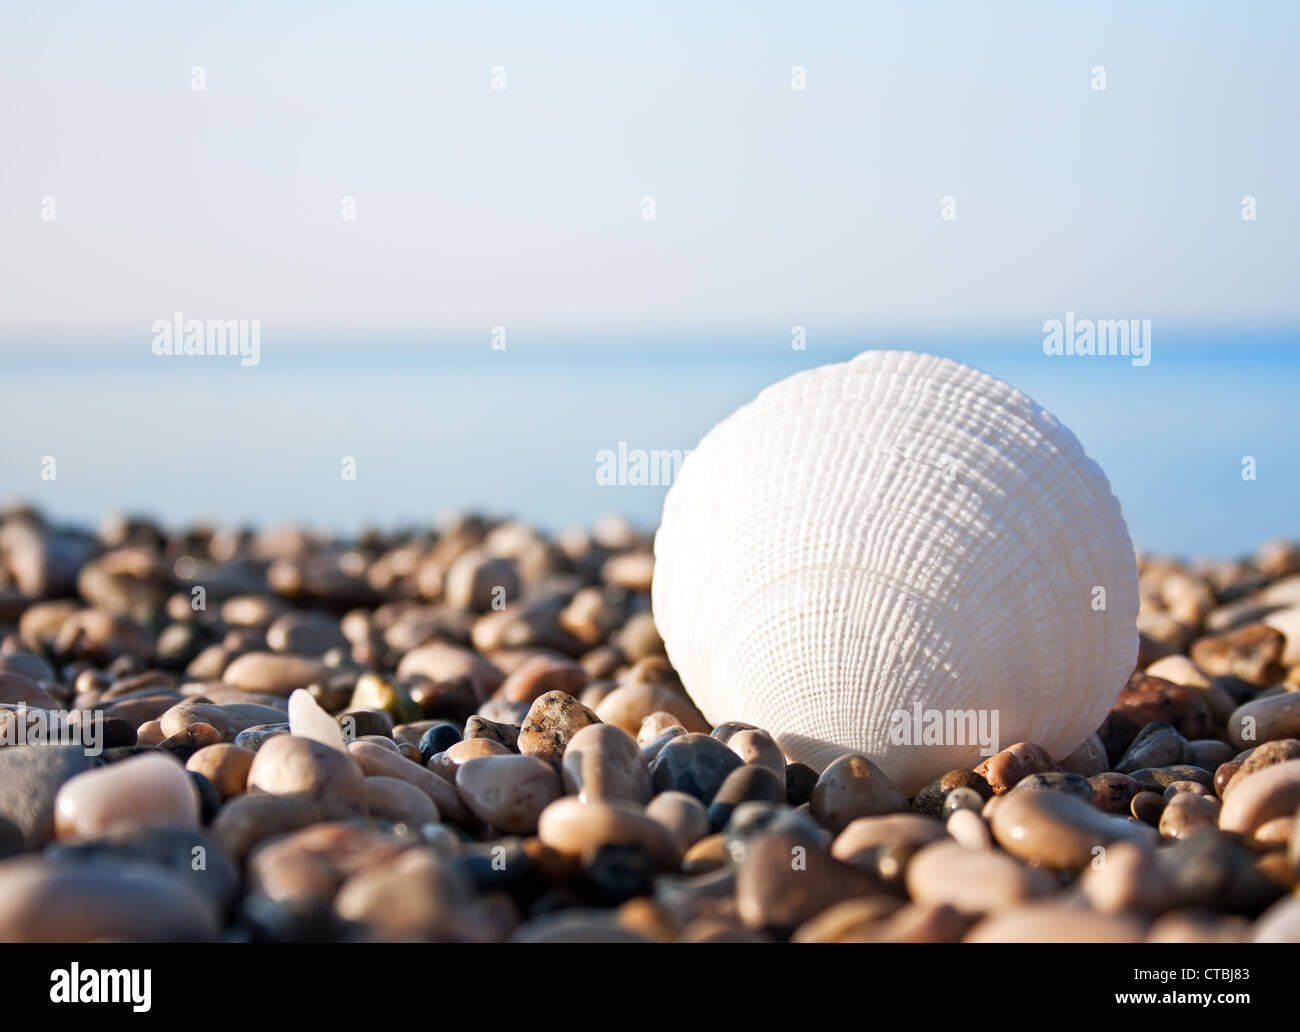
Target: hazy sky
(523,208)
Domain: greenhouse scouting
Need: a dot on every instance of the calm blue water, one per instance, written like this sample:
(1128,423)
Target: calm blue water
(456,425)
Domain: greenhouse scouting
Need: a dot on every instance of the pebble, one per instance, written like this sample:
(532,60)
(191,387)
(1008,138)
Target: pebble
(1280,923)
(1156,745)
(387,695)
(30,778)
(45,902)
(1193,926)
(17,690)
(653,748)
(225,765)
(442,663)
(757,747)
(684,817)
(852,787)
(398,801)
(1054,922)
(961,799)
(134,793)
(308,720)
(1148,807)
(287,765)
(784,882)
(1157,779)
(229,720)
(553,719)
(744,784)
(170,847)
(376,761)
(439,738)
(1213,871)
(800,780)
(1251,653)
(972,881)
(845,922)
(1265,719)
(311,864)
(578,829)
(969,829)
(1056,781)
(305,632)
(695,764)
(541,675)
(246,820)
(916,922)
(12,840)
(602,761)
(275,673)
(1004,770)
(1266,755)
(416,897)
(707,854)
(1210,754)
(1186,813)
(508,792)
(1058,830)
(930,799)
(1271,792)
(253,738)
(654,725)
(1145,699)
(481,727)
(860,842)
(629,704)
(449,760)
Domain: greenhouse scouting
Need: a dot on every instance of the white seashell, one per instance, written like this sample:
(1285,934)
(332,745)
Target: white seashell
(308,720)
(893,530)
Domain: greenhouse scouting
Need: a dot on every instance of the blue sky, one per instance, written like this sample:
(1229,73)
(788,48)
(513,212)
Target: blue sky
(522,208)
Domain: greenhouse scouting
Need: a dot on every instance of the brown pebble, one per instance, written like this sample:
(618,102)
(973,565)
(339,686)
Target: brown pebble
(540,675)
(1113,793)
(1005,769)
(289,765)
(225,765)
(1251,653)
(1185,813)
(553,719)
(852,787)
(508,792)
(1224,774)
(1147,807)
(1265,755)
(149,733)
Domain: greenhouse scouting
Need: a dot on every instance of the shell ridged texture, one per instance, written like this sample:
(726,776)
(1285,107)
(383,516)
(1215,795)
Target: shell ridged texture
(896,529)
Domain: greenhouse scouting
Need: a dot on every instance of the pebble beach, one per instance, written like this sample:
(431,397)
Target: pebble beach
(469,732)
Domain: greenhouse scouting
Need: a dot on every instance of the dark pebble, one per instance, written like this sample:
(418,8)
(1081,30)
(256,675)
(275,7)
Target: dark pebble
(695,764)
(1157,779)
(1147,807)
(209,798)
(744,784)
(930,799)
(1156,745)
(437,739)
(800,780)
